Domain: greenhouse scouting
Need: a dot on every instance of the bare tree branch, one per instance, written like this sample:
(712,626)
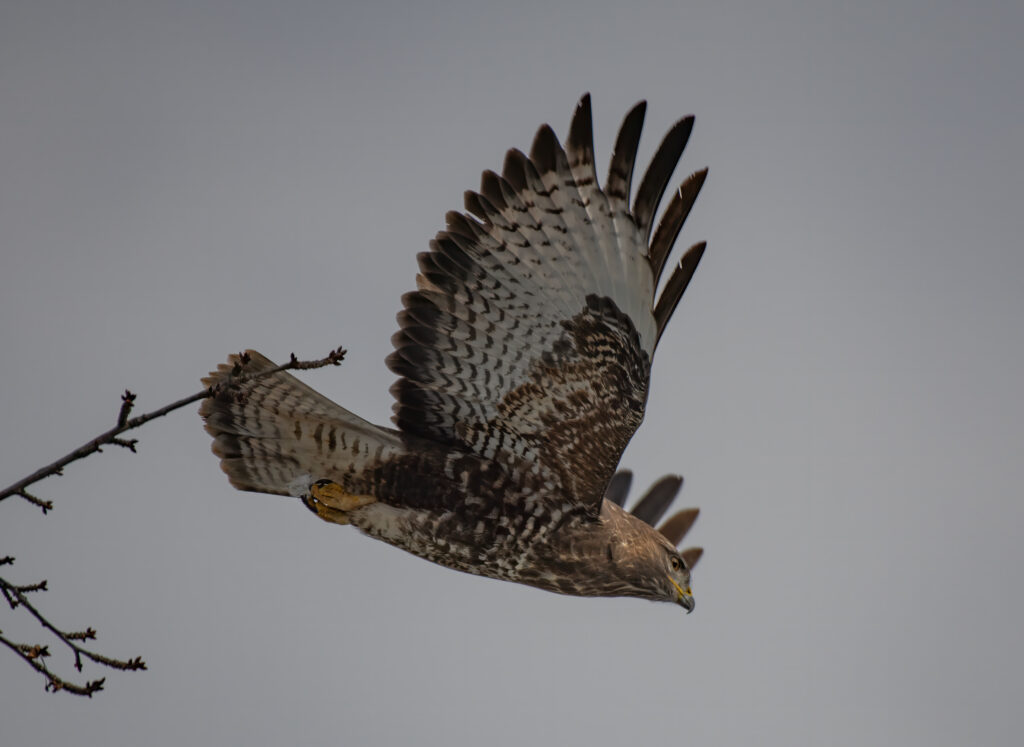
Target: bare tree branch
(15,596)
(334,358)
(35,655)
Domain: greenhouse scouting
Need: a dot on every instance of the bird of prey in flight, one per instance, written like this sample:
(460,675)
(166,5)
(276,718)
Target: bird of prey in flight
(524,357)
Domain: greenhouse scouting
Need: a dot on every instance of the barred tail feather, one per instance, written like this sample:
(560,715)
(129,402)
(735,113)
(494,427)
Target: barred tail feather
(274,434)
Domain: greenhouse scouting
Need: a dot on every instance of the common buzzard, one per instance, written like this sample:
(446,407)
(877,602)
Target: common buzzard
(524,358)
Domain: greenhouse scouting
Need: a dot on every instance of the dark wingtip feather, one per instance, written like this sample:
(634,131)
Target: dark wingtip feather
(657,499)
(620,170)
(460,224)
(480,206)
(471,200)
(514,169)
(490,189)
(652,186)
(676,527)
(676,285)
(544,149)
(691,556)
(618,487)
(580,145)
(672,221)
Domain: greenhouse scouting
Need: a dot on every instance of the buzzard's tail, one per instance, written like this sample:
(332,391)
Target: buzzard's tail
(274,434)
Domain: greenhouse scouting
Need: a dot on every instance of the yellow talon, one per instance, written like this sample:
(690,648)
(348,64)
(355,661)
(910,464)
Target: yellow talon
(331,495)
(326,513)
(332,515)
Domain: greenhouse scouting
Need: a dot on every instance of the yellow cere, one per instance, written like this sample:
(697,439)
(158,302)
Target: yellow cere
(682,592)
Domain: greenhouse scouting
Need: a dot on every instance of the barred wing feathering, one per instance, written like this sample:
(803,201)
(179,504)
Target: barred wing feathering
(530,337)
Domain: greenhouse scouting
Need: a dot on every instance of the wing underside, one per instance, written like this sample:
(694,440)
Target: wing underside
(530,337)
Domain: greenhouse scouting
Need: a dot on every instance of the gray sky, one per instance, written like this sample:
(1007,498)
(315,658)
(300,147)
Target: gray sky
(841,386)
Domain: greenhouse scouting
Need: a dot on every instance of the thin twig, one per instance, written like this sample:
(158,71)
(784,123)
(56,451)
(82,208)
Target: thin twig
(20,600)
(34,656)
(44,505)
(127,402)
(41,586)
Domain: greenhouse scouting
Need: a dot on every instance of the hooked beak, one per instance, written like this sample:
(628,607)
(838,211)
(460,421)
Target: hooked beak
(684,597)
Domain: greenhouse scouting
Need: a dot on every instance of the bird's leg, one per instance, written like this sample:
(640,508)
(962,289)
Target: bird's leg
(331,502)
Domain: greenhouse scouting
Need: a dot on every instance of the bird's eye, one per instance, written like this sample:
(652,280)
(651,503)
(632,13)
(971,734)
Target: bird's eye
(677,564)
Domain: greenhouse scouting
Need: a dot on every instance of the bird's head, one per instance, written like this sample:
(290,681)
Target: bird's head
(646,560)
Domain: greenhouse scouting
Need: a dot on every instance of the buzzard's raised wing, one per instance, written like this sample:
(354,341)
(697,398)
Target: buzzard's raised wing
(529,340)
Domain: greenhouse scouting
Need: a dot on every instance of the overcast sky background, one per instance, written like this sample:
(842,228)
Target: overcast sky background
(841,385)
